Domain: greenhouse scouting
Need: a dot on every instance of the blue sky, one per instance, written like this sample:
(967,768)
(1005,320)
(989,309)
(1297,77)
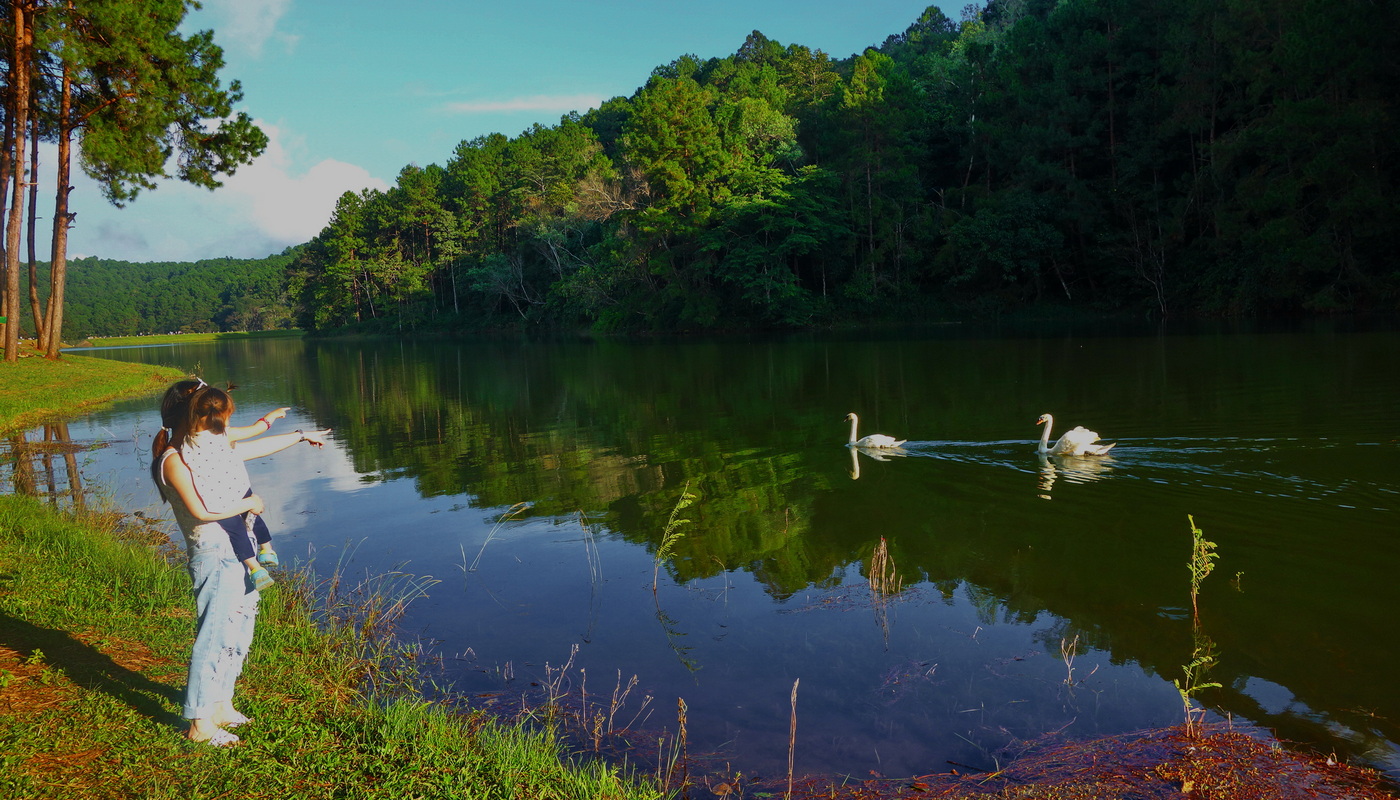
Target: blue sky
(350,91)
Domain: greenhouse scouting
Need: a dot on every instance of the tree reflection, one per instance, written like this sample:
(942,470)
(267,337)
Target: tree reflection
(34,466)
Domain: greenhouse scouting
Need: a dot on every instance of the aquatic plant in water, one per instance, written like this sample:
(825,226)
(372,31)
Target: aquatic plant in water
(1202,562)
(884,579)
(672,534)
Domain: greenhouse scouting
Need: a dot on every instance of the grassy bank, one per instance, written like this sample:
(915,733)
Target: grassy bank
(36,390)
(184,338)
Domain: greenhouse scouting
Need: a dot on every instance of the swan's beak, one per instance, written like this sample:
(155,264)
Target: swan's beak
(1040,422)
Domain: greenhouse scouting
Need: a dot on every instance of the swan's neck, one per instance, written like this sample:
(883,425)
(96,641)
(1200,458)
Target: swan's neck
(854,421)
(1045,436)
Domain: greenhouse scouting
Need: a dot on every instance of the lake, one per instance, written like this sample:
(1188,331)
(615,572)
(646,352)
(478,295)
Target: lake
(1033,595)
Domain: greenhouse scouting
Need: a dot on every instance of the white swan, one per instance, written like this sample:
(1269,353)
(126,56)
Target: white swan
(1076,442)
(876,440)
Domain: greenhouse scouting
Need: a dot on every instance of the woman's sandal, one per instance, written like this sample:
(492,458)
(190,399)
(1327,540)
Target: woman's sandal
(268,558)
(261,578)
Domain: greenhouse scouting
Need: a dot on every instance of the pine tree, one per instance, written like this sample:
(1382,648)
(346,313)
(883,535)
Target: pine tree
(138,94)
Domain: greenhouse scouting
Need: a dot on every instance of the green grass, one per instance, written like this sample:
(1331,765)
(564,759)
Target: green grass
(35,390)
(95,632)
(185,338)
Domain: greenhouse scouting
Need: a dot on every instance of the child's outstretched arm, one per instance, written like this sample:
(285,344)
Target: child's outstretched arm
(260,425)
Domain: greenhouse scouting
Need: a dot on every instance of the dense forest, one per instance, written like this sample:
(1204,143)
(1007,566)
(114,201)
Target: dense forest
(1192,156)
(1138,156)
(118,298)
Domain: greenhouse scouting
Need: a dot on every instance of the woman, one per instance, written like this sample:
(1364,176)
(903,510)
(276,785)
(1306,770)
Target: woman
(226,603)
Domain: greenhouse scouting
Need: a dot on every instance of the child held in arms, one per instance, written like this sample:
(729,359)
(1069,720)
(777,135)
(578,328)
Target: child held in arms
(220,476)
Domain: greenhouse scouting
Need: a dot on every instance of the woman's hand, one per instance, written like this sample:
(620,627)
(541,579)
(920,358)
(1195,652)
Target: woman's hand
(267,445)
(316,438)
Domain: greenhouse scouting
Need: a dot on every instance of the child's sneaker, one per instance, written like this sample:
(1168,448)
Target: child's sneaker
(261,578)
(268,559)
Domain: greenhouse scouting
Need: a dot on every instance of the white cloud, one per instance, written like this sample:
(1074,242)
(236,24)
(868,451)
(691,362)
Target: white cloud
(249,24)
(561,103)
(287,206)
(262,209)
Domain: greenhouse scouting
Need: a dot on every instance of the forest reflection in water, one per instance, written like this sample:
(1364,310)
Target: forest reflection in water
(1280,444)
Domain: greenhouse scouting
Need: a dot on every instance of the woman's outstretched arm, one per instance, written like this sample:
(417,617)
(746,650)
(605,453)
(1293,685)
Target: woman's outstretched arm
(267,445)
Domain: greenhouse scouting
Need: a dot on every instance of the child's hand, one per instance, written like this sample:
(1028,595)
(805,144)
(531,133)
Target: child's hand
(316,438)
(275,414)
(255,504)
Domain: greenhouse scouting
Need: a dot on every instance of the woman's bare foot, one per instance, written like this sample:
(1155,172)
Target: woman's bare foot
(204,731)
(226,716)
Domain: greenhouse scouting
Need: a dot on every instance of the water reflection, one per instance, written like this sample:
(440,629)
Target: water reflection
(602,438)
(1073,469)
(34,465)
(873,453)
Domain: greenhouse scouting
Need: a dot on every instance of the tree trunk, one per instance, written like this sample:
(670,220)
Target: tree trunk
(58,258)
(20,112)
(1112,113)
(19,99)
(5,160)
(39,327)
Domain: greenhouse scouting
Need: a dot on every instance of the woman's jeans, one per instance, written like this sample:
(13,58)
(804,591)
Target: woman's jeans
(226,607)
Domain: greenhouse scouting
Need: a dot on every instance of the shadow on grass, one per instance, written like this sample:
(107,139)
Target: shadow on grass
(86,666)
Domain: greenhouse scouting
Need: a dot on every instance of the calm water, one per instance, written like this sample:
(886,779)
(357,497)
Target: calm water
(1282,443)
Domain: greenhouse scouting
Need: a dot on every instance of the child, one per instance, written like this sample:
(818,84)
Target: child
(220,476)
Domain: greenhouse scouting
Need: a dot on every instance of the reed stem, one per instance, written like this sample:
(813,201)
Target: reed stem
(792,736)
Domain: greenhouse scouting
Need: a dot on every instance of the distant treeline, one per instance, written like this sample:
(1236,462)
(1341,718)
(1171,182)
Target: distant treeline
(119,298)
(1157,156)
(1162,157)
